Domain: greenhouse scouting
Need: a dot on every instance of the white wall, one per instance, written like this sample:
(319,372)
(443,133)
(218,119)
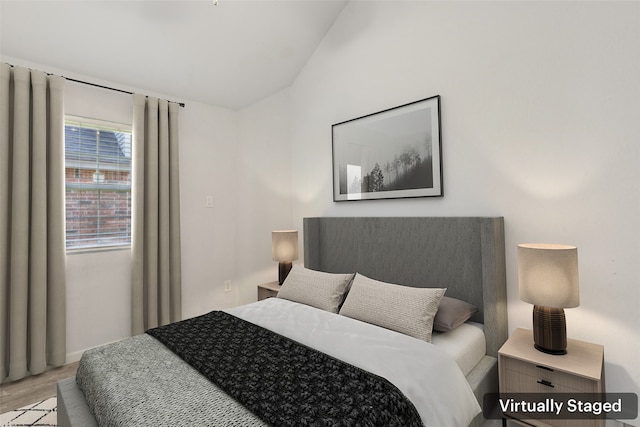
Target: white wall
(264,190)
(540,107)
(208,165)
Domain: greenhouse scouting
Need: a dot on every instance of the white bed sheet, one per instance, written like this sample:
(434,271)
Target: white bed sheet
(466,344)
(426,374)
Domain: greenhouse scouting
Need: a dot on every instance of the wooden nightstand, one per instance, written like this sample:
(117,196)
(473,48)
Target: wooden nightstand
(523,369)
(268,290)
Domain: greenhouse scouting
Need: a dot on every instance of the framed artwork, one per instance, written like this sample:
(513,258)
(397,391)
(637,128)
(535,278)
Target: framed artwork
(395,153)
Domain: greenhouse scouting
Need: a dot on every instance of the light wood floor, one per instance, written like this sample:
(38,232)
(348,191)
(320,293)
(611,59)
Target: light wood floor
(33,389)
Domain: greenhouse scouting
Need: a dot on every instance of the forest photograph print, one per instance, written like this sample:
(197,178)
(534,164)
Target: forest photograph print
(395,153)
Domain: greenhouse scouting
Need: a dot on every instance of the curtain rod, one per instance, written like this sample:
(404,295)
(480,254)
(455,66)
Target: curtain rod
(100,86)
(109,88)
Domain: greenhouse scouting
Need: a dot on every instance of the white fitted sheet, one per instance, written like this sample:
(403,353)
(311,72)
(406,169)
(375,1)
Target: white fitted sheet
(466,344)
(426,374)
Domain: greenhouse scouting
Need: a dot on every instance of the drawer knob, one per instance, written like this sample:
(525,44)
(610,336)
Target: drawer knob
(544,367)
(545,382)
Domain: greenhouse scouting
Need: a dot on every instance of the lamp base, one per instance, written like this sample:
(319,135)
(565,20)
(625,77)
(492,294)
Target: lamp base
(283,271)
(549,330)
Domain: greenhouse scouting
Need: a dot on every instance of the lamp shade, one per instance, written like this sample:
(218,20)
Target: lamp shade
(548,275)
(284,245)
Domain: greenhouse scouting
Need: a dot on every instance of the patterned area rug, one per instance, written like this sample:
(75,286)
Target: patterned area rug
(40,414)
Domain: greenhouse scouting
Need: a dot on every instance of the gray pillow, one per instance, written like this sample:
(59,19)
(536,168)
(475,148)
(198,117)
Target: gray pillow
(315,288)
(452,313)
(402,309)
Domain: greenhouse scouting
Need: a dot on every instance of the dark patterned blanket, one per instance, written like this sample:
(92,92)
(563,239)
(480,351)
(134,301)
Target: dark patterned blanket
(281,381)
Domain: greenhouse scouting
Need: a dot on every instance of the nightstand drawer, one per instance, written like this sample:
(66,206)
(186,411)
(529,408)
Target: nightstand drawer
(266,293)
(527,377)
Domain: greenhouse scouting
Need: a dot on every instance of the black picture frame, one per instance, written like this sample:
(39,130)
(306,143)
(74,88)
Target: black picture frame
(394,153)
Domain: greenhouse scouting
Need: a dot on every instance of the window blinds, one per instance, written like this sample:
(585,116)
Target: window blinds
(98,184)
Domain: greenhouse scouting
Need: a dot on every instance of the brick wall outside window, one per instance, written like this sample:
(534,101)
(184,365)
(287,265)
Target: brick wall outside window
(97,212)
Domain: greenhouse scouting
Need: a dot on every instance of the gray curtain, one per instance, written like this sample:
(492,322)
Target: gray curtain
(155,216)
(32,227)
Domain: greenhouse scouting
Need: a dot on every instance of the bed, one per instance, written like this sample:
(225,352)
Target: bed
(464,255)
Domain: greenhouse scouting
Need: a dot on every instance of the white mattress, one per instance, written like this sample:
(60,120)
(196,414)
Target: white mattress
(466,344)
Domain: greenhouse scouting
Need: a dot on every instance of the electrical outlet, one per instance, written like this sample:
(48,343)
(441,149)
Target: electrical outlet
(227,285)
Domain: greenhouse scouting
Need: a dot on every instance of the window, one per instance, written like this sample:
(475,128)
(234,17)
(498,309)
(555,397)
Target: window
(98,183)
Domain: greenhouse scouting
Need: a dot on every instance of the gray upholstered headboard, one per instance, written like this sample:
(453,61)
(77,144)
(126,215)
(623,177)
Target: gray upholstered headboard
(463,254)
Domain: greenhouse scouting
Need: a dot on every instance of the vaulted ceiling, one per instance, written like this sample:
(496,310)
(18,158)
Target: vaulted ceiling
(230,55)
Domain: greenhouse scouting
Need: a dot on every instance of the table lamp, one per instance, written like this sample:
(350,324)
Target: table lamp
(284,249)
(548,279)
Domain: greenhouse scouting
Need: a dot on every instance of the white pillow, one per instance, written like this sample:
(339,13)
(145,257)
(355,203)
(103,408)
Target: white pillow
(315,288)
(403,309)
